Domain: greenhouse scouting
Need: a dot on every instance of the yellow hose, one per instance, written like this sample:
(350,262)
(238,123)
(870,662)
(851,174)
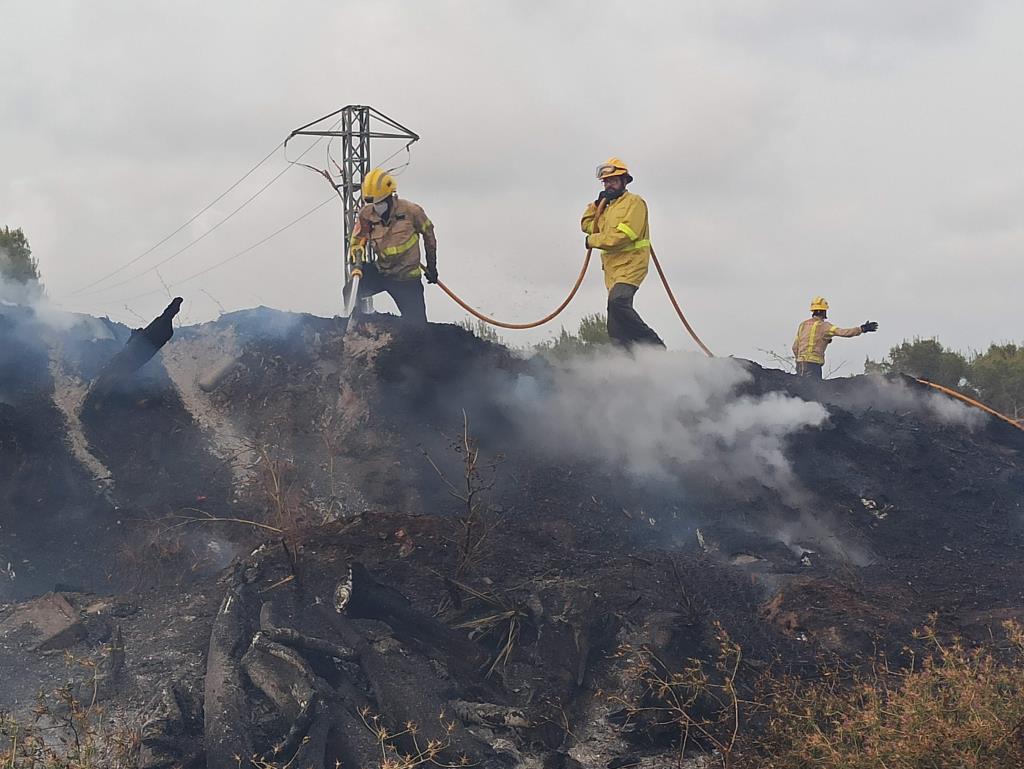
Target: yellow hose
(972,402)
(675,305)
(550,316)
(503,324)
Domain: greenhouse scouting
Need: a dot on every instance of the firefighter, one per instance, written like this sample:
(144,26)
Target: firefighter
(815,334)
(621,234)
(390,228)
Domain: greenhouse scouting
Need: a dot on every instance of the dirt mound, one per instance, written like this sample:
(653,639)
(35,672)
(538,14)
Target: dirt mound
(450,520)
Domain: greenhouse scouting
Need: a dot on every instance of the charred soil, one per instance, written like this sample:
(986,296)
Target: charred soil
(421,549)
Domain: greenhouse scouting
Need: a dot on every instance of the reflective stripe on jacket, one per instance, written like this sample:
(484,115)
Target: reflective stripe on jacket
(396,243)
(623,237)
(814,335)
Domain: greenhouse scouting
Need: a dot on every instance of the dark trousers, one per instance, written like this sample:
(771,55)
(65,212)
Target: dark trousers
(812,370)
(408,294)
(625,326)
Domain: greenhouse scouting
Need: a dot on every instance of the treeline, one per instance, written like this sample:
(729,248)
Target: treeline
(19,270)
(995,377)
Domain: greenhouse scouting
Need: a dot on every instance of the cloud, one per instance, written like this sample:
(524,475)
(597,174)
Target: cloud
(785,150)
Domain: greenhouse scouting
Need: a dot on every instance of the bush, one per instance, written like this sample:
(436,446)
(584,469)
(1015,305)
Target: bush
(954,707)
(591,335)
(950,706)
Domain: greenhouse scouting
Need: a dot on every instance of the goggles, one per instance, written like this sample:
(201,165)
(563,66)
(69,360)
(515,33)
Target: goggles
(605,170)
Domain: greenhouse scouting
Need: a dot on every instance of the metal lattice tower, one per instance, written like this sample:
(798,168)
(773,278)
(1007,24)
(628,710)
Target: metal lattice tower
(356,126)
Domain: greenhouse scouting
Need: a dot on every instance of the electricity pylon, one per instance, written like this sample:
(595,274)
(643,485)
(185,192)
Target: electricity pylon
(357,127)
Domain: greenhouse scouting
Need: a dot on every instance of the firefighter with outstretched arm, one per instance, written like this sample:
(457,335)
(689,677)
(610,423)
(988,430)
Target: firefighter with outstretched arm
(815,334)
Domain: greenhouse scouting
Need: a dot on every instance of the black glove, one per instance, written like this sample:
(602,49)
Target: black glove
(869,326)
(605,195)
(431,272)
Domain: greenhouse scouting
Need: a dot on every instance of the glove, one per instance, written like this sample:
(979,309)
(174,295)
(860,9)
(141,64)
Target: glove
(431,272)
(586,242)
(603,196)
(357,254)
(869,326)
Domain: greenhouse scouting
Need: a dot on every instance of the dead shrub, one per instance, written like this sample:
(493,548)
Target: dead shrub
(951,706)
(699,705)
(475,518)
(65,734)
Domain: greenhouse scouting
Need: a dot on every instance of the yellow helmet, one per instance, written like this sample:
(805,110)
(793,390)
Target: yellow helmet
(819,303)
(612,167)
(378,185)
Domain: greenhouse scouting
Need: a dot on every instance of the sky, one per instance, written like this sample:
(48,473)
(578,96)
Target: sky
(870,152)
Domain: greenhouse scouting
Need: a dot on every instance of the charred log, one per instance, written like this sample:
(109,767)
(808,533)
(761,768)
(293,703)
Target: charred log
(141,346)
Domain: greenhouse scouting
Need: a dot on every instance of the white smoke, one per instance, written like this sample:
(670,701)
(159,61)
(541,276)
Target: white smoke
(13,291)
(31,295)
(659,414)
(896,395)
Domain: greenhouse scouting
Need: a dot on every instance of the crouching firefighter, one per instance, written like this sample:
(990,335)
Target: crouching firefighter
(389,229)
(815,334)
(616,224)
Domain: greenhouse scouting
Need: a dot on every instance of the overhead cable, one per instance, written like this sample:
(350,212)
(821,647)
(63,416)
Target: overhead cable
(199,213)
(222,262)
(212,229)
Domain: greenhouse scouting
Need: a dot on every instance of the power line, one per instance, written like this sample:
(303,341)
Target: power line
(82,291)
(259,243)
(159,243)
(231,258)
(189,245)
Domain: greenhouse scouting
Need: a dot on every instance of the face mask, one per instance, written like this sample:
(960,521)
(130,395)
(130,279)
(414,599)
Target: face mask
(381,207)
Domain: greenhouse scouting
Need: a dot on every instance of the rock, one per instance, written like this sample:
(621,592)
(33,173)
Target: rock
(50,622)
(213,376)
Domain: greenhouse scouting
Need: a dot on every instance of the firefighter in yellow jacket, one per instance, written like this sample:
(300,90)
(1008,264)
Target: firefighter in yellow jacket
(621,233)
(390,229)
(815,334)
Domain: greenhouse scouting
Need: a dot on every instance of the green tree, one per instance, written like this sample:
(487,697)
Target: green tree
(591,335)
(19,272)
(925,359)
(998,376)
(16,262)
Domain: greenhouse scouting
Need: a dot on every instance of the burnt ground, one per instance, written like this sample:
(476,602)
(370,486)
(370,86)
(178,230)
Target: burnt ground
(898,508)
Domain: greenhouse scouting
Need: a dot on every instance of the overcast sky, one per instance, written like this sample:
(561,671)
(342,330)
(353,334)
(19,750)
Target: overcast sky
(872,152)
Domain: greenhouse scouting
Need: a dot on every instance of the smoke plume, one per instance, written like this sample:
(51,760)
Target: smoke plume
(896,395)
(658,414)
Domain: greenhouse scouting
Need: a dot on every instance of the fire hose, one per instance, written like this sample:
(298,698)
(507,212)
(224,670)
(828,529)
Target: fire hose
(357,273)
(579,280)
(576,286)
(972,402)
(534,324)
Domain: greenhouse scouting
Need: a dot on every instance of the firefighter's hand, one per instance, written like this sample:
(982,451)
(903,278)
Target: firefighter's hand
(431,273)
(869,326)
(357,254)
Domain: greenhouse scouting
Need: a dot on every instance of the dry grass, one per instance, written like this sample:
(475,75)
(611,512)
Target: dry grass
(62,733)
(951,707)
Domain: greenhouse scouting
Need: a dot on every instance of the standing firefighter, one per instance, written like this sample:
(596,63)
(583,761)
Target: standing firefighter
(392,227)
(815,334)
(621,233)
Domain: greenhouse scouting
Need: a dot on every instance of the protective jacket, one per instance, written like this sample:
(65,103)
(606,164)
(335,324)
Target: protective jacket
(623,236)
(397,241)
(814,335)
